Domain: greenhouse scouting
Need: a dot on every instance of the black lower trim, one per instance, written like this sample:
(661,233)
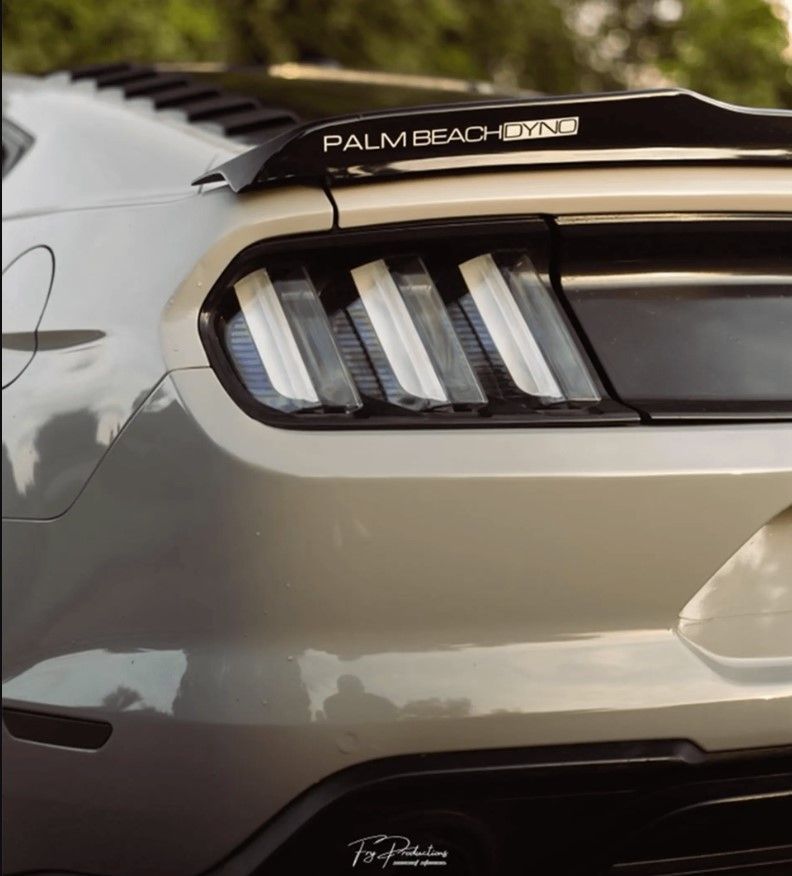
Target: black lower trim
(56,729)
(640,808)
(776,861)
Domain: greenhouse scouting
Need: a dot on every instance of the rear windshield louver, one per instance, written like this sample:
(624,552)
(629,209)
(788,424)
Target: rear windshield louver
(154,85)
(239,117)
(181,96)
(125,77)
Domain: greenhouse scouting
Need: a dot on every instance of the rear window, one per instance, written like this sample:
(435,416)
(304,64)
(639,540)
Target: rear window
(687,316)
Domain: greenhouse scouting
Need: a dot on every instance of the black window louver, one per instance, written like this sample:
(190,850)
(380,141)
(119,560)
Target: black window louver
(239,117)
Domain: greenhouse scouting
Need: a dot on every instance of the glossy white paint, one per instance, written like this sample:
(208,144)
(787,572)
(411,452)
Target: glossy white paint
(143,156)
(101,334)
(610,672)
(742,617)
(620,452)
(487,588)
(559,192)
(26,287)
(293,210)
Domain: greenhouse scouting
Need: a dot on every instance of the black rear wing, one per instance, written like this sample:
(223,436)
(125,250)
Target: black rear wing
(664,126)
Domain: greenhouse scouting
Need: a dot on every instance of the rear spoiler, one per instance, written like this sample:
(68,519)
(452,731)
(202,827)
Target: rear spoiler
(663,126)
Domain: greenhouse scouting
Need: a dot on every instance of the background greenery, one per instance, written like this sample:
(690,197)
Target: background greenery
(736,50)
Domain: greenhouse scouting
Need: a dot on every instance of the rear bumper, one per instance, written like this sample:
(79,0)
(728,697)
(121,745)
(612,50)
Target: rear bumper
(253,610)
(639,808)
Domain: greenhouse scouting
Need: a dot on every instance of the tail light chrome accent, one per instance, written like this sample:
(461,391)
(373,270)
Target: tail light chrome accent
(274,341)
(395,327)
(543,317)
(510,332)
(415,331)
(294,343)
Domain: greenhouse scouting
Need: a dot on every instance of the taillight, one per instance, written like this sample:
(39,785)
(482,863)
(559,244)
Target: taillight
(451,329)
(281,343)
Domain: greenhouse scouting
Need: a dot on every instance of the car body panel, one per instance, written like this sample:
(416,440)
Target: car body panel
(567,192)
(348,557)
(100,333)
(144,156)
(26,286)
(742,617)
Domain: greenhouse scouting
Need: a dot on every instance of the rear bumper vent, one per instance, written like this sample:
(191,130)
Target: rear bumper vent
(643,809)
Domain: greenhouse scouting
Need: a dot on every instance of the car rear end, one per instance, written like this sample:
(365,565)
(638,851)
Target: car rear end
(454,528)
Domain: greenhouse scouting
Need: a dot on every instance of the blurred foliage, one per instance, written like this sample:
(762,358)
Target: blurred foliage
(730,49)
(746,45)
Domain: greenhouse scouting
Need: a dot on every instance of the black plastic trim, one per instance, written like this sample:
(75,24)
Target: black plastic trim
(93,71)
(157,84)
(722,412)
(126,77)
(673,761)
(16,144)
(49,729)
(238,116)
(215,107)
(585,244)
(175,98)
(253,119)
(776,861)
(657,127)
(558,286)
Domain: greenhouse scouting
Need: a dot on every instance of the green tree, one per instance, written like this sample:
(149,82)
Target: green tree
(732,50)
(729,49)
(43,35)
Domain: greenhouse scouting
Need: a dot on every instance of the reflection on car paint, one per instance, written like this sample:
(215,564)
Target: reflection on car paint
(142,680)
(231,684)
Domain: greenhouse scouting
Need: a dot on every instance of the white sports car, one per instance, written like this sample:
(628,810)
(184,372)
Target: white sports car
(411,487)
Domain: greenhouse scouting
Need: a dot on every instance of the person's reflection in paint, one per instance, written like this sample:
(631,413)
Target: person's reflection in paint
(352,703)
